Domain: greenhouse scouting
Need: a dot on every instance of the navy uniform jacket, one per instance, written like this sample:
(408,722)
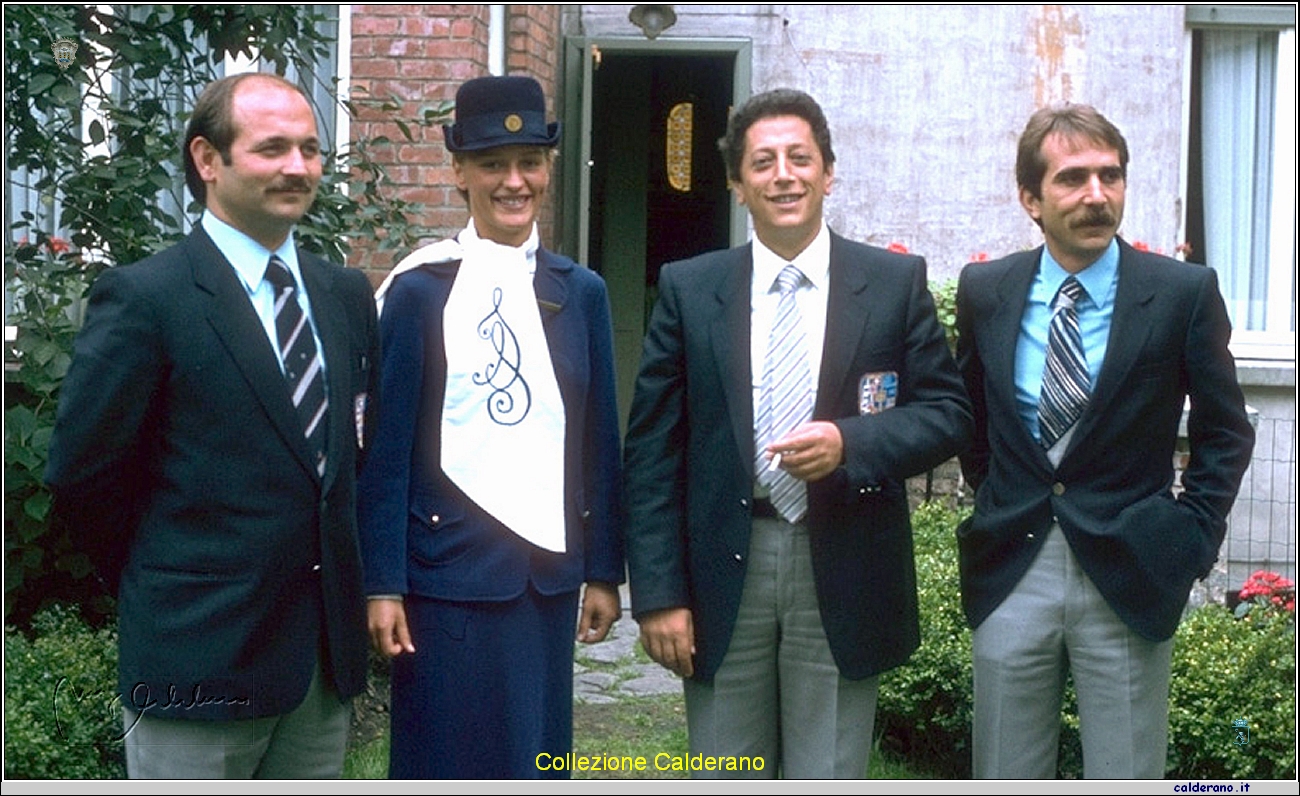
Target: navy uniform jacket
(420,534)
(690,451)
(1141,546)
(177,449)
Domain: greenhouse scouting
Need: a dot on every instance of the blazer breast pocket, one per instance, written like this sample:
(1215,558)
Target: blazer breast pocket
(1154,370)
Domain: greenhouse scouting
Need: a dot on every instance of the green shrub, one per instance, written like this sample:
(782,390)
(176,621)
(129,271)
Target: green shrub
(945,307)
(924,708)
(1225,669)
(63,719)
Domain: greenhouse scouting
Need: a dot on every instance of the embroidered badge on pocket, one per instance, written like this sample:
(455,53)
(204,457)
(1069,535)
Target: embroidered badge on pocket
(877,392)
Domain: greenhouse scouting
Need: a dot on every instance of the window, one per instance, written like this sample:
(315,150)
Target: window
(165,90)
(1241,206)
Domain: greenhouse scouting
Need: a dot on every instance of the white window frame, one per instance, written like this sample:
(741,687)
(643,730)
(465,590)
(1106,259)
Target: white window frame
(1278,342)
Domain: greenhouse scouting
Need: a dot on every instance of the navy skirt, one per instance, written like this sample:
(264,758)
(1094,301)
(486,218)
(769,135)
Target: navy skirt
(488,690)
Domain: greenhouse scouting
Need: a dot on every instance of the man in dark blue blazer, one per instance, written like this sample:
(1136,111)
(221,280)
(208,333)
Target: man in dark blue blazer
(184,453)
(770,551)
(1080,554)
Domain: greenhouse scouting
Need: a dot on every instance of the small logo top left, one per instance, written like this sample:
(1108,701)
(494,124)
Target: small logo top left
(65,52)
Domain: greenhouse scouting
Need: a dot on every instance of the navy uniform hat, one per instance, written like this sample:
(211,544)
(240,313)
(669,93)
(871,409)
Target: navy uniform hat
(500,111)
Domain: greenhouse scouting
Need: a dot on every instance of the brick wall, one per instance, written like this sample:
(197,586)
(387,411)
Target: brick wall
(533,48)
(421,54)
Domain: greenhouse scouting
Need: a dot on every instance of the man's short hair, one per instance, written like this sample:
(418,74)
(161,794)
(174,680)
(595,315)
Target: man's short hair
(777,102)
(1072,122)
(212,120)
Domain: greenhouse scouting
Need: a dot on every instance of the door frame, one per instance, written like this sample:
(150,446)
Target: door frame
(576,144)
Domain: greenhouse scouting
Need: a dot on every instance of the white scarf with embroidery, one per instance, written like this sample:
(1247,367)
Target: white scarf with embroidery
(502,415)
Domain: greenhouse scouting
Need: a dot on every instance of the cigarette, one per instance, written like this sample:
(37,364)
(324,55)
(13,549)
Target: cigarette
(773,465)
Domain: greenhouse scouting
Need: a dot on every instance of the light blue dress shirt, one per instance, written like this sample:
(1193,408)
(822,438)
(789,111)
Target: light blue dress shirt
(1095,310)
(249,259)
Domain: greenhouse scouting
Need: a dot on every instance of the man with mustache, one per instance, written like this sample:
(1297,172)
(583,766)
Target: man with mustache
(206,449)
(1078,357)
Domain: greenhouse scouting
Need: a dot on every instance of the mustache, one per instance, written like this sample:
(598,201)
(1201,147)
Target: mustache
(1096,217)
(300,184)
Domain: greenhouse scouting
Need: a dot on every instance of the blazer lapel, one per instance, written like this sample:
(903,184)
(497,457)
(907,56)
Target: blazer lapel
(1130,326)
(999,350)
(231,315)
(848,305)
(550,284)
(730,333)
(331,327)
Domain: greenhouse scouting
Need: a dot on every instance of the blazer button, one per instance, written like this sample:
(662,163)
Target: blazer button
(1030,537)
(1058,489)
(315,568)
(435,519)
(744,503)
(738,557)
(586,515)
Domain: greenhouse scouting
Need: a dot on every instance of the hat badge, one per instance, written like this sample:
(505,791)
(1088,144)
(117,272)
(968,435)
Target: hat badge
(513,122)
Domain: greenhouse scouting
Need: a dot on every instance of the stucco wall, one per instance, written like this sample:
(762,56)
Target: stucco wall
(926,103)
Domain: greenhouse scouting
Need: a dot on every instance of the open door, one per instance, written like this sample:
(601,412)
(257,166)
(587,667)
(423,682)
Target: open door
(650,186)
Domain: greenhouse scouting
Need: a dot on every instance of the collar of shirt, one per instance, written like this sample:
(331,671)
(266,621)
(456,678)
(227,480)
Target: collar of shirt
(814,261)
(249,259)
(247,256)
(1098,279)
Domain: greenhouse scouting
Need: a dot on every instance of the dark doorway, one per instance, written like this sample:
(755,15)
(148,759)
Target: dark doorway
(658,187)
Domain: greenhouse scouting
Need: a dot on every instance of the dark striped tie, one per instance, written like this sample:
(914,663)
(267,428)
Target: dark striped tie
(302,363)
(786,400)
(1066,384)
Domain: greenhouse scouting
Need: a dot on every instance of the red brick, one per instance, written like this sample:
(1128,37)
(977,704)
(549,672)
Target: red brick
(371,25)
(418,153)
(462,28)
(403,47)
(417,26)
(393,10)
(457,49)
(374,67)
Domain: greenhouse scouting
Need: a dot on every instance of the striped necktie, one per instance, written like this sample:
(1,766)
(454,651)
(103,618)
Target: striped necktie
(786,400)
(1066,383)
(302,363)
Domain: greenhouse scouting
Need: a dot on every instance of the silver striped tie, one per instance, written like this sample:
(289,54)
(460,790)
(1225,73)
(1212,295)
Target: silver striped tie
(302,362)
(1066,384)
(786,401)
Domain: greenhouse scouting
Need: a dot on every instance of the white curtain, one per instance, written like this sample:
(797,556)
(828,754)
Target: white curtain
(1238,84)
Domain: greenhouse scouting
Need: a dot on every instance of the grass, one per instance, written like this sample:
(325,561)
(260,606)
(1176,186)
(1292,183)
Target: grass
(368,761)
(631,727)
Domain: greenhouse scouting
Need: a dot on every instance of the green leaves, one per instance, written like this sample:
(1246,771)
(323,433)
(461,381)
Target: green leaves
(63,718)
(42,82)
(945,305)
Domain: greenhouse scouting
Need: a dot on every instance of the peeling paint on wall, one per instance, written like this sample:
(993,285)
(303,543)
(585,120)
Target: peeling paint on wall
(1059,44)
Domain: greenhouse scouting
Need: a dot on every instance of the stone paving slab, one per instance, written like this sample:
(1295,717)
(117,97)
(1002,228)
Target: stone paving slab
(611,670)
